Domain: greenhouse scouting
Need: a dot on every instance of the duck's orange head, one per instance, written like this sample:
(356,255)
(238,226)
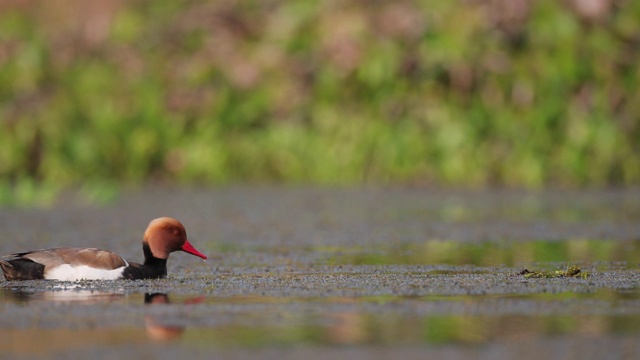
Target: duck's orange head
(165,235)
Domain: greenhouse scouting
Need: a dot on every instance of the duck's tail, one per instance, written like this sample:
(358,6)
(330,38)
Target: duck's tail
(6,267)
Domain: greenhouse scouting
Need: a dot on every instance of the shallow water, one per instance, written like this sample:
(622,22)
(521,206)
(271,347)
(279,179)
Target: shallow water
(364,273)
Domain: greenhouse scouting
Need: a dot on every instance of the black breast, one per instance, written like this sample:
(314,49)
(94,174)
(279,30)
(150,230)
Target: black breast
(150,270)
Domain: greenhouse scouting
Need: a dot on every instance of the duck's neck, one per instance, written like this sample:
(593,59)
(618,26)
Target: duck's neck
(152,268)
(150,260)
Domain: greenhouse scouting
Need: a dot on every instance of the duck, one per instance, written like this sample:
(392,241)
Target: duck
(163,236)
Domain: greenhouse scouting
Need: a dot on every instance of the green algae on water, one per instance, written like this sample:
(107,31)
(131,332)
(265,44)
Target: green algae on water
(571,271)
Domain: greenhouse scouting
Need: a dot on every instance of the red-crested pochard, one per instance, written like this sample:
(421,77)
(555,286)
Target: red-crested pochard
(162,237)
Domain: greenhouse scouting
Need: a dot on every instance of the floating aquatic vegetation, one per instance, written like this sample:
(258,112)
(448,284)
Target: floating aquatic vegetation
(571,271)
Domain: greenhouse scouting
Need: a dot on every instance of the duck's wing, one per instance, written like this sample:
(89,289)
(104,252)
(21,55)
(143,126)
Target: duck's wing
(91,257)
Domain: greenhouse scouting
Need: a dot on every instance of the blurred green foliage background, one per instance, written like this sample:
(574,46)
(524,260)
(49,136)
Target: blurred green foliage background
(442,92)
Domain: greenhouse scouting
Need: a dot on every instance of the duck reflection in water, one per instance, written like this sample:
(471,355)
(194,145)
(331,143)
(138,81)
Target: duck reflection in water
(158,327)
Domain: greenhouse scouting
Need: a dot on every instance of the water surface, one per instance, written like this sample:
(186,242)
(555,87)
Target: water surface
(319,273)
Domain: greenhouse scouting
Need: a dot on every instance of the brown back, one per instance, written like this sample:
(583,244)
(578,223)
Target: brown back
(96,258)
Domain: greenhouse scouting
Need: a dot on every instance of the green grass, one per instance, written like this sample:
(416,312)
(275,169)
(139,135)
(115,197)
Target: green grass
(444,92)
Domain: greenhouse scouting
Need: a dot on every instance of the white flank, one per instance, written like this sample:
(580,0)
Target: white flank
(67,272)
